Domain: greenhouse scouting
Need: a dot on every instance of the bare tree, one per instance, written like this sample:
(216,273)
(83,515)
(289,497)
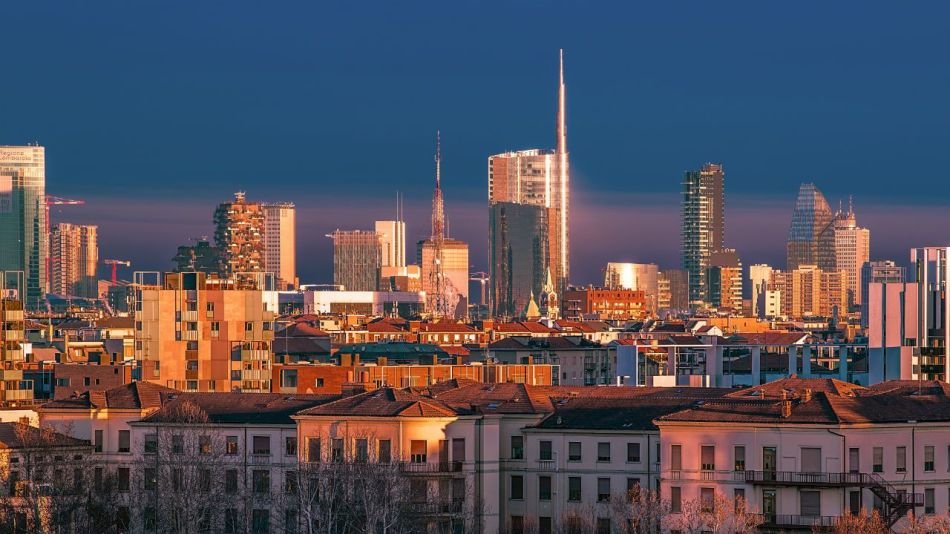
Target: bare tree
(639,511)
(720,515)
(862,523)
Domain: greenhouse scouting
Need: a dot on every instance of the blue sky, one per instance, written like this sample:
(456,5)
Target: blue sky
(155,111)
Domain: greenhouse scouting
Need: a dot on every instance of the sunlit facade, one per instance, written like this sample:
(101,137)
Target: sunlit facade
(704,225)
(74,256)
(24,244)
(280,242)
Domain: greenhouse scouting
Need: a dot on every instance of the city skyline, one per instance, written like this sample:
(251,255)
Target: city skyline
(775,128)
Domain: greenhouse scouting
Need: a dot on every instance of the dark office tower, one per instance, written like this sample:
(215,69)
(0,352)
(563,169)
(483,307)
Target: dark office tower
(24,237)
(357,259)
(704,223)
(518,256)
(539,178)
(812,215)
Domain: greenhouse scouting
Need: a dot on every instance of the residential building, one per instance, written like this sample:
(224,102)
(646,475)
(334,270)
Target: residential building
(371,303)
(724,281)
(14,390)
(357,257)
(24,236)
(673,289)
(196,332)
(540,180)
(804,452)
(605,304)
(280,243)
(239,236)
(582,362)
(844,246)
(74,257)
(812,215)
(704,224)
(810,292)
(878,272)
(636,277)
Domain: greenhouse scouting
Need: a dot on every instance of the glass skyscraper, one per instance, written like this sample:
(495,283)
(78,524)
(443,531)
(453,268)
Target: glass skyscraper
(24,241)
(704,224)
(810,218)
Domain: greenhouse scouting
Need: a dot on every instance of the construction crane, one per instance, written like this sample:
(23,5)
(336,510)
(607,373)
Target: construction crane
(114,264)
(55,201)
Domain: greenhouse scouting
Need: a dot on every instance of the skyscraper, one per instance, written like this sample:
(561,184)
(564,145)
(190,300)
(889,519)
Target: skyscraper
(760,276)
(704,223)
(518,255)
(239,235)
(531,178)
(356,259)
(724,280)
(280,242)
(844,246)
(74,256)
(811,216)
(24,238)
(392,237)
(444,261)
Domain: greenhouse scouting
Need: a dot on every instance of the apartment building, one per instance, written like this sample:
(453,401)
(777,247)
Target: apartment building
(804,452)
(195,332)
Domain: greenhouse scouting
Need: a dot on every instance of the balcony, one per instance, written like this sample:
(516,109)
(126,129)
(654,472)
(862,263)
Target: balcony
(435,508)
(431,468)
(547,465)
(809,523)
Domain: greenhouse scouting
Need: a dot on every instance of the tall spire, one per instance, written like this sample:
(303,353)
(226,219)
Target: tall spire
(438,210)
(561,111)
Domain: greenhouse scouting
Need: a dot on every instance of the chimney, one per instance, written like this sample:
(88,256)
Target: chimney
(806,395)
(786,408)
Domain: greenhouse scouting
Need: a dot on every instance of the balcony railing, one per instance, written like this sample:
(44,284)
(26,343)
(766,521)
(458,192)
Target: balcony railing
(431,468)
(810,522)
(441,507)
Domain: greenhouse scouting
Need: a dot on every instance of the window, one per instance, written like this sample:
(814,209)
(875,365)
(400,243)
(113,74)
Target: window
(230,520)
(232,445)
(178,479)
(151,444)
(125,441)
(854,460)
(313,449)
(261,445)
(574,451)
(810,502)
(603,489)
(545,451)
(676,457)
(544,488)
(545,525)
(385,451)
(204,481)
(418,490)
(811,460)
(248,326)
(633,452)
(574,488)
(738,498)
(150,478)
(738,455)
(204,445)
(707,458)
(290,445)
(336,450)
(603,451)
(517,447)
(603,525)
(458,452)
(149,519)
(97,442)
(260,479)
(291,521)
(362,450)
(231,481)
(878,462)
(288,378)
(290,482)
(633,485)
(929,458)
(417,451)
(901,460)
(676,500)
(123,479)
(929,507)
(260,521)
(707,499)
(517,487)
(517,524)
(178,444)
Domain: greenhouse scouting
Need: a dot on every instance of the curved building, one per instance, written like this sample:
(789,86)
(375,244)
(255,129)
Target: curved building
(811,216)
